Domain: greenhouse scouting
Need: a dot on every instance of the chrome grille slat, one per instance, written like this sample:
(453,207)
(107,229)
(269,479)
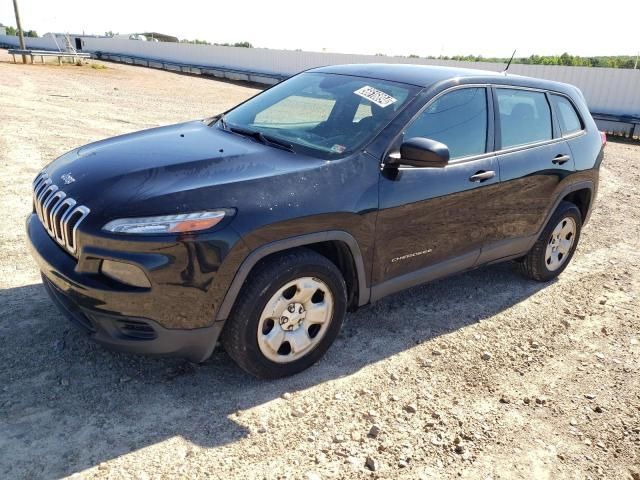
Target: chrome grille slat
(53,203)
(84,212)
(58,227)
(39,196)
(63,222)
(40,176)
(39,183)
(47,199)
(60,223)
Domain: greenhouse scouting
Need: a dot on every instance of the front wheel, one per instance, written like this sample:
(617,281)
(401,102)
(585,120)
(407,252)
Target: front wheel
(556,245)
(287,315)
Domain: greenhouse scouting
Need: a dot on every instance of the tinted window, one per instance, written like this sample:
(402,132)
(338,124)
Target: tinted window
(525,117)
(457,119)
(567,116)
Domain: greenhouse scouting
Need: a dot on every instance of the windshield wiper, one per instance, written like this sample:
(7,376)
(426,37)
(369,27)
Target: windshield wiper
(223,122)
(261,137)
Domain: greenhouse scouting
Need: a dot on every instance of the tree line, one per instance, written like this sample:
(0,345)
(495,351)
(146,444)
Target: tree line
(612,61)
(27,33)
(204,42)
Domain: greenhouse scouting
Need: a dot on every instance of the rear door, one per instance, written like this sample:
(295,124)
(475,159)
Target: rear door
(431,220)
(573,130)
(533,159)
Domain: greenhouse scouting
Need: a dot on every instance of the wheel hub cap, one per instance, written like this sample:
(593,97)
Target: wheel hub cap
(293,316)
(560,243)
(295,319)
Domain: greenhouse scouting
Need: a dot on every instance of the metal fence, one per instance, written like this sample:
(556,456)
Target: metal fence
(608,91)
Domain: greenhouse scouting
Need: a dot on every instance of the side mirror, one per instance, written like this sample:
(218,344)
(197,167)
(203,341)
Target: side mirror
(421,152)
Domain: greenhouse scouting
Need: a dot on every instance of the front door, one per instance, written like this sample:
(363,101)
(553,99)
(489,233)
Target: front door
(431,221)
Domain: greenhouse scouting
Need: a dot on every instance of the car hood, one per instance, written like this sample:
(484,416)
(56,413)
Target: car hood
(178,164)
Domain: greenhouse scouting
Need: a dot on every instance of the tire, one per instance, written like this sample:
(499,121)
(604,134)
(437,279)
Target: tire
(256,326)
(537,264)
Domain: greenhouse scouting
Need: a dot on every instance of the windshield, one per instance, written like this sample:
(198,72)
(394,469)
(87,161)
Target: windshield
(321,114)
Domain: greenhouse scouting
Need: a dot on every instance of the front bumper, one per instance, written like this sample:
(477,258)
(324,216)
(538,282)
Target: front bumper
(118,317)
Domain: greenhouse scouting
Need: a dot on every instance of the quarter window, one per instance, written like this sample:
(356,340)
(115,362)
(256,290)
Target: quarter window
(567,115)
(457,119)
(525,117)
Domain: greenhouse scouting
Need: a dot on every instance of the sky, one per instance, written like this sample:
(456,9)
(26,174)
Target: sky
(392,27)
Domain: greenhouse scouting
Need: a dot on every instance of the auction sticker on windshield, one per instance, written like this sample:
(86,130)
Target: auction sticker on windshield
(375,96)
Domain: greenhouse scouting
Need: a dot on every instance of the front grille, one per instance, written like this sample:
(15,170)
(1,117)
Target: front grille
(60,215)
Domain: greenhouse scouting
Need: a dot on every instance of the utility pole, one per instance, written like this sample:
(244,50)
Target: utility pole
(20,32)
(636,64)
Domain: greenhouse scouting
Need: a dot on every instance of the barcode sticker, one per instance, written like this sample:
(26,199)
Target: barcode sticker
(375,96)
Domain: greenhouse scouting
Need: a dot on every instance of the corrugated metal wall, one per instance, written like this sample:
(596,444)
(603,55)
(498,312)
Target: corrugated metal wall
(607,90)
(35,43)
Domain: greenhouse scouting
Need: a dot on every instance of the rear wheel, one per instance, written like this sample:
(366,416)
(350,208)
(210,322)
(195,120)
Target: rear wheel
(556,245)
(287,315)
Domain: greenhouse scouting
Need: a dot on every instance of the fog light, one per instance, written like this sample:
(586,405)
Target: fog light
(125,273)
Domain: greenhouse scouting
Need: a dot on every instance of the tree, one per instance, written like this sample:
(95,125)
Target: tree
(27,33)
(195,42)
(566,59)
(237,44)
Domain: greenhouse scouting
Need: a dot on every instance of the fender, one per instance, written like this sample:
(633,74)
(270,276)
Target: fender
(299,241)
(574,187)
(588,184)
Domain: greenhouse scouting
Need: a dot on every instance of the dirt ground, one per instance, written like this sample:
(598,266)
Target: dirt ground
(480,376)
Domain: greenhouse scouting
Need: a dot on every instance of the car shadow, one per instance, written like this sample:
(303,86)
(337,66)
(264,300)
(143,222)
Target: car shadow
(67,404)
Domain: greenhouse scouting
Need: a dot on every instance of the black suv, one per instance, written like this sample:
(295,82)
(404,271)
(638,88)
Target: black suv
(262,226)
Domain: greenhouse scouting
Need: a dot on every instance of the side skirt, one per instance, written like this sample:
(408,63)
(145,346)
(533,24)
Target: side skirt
(495,253)
(427,274)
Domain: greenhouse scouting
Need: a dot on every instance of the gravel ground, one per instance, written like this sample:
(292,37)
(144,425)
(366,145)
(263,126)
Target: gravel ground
(483,375)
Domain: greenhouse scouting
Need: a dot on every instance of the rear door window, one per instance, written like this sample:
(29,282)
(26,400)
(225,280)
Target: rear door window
(458,119)
(525,117)
(567,116)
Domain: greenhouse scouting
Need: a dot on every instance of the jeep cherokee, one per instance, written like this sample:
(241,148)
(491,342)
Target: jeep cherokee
(261,227)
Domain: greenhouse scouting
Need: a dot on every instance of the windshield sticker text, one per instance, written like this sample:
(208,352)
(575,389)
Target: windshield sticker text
(375,96)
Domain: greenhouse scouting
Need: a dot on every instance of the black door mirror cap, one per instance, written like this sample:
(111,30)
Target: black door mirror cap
(421,152)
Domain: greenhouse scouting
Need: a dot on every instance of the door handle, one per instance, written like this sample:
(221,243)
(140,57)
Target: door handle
(482,175)
(560,159)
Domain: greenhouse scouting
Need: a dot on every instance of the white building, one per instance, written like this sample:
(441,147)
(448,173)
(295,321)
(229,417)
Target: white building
(69,41)
(147,37)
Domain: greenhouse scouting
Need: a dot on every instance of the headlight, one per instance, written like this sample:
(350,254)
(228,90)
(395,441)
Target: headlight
(180,223)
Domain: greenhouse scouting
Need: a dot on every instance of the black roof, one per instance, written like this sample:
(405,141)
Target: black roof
(428,75)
